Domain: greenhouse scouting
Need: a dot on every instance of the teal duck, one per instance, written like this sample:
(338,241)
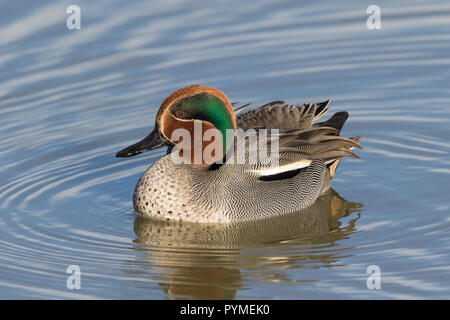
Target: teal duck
(228,187)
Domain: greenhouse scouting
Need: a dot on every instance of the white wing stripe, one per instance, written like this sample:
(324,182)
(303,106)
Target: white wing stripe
(285,168)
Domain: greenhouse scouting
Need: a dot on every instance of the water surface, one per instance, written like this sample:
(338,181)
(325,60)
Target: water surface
(69,99)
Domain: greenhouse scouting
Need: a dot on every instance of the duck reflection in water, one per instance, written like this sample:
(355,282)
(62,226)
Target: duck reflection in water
(204,261)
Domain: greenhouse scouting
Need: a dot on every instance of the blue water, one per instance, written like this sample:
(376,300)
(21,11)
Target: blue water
(69,99)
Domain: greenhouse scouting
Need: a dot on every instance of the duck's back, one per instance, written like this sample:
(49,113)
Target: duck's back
(278,115)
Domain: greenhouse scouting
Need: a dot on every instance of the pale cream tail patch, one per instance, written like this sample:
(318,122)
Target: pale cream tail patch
(333,167)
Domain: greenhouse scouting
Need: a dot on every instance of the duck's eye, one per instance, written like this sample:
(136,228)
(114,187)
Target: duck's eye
(180,114)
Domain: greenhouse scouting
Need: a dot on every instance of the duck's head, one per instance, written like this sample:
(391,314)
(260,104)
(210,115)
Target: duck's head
(189,108)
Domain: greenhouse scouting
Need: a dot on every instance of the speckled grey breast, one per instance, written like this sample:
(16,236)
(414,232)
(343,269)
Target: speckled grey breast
(231,193)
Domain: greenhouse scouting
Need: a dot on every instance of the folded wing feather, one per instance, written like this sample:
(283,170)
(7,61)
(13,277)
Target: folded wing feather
(300,141)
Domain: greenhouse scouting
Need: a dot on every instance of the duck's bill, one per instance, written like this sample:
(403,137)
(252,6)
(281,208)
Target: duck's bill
(152,141)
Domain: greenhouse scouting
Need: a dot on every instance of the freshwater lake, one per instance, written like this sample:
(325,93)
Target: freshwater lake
(69,99)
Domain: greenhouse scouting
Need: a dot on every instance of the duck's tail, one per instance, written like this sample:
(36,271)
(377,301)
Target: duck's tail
(337,121)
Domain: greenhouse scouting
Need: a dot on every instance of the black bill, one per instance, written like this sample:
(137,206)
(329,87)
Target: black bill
(152,141)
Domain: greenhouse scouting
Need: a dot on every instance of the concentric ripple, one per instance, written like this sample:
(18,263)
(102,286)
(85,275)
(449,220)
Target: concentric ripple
(70,99)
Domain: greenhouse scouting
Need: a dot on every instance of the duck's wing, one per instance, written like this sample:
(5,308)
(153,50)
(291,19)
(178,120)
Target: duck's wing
(278,115)
(295,154)
(296,149)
